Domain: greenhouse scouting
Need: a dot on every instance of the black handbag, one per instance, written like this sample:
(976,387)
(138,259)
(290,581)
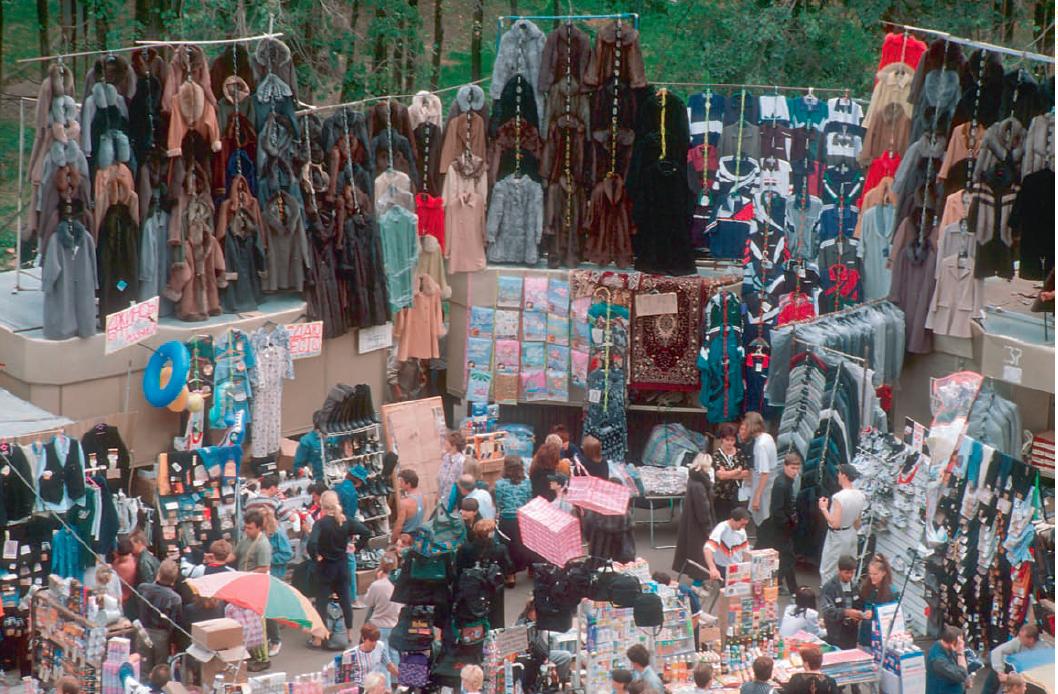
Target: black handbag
(602,584)
(625,590)
(579,578)
(414,629)
(408,591)
(648,611)
(553,619)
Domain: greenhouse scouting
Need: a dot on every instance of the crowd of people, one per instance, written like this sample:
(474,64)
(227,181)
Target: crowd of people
(739,496)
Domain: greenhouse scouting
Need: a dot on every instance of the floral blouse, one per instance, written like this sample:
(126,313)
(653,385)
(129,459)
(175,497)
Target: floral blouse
(728,489)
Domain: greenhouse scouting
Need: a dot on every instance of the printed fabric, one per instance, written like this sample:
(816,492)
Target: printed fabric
(274,363)
(664,347)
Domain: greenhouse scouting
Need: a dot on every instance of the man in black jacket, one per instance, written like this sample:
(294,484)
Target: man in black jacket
(777,531)
(838,594)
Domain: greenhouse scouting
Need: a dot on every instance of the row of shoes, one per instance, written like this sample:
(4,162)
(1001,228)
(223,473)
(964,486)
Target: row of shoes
(369,558)
(346,408)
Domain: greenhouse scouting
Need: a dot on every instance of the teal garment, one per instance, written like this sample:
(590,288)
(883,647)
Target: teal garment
(399,230)
(232,392)
(806,111)
(510,496)
(720,363)
(309,454)
(282,553)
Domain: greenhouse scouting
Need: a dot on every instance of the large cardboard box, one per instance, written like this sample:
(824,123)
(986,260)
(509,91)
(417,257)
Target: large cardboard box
(229,663)
(217,634)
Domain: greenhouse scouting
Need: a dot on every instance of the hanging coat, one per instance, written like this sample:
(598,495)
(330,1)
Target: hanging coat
(515,220)
(286,245)
(198,261)
(119,262)
(696,522)
(68,280)
(326,292)
(239,226)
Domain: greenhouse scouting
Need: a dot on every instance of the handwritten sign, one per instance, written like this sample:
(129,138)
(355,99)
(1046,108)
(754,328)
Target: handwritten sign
(376,337)
(511,641)
(131,325)
(306,339)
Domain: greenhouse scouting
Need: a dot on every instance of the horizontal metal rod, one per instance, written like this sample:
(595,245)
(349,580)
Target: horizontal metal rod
(991,47)
(210,42)
(309,108)
(79,54)
(775,87)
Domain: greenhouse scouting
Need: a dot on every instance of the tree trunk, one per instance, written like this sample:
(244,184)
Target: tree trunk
(378,62)
(514,8)
(42,33)
(411,56)
(1,42)
(1043,14)
(475,40)
(555,9)
(85,61)
(102,29)
(352,83)
(438,43)
(399,50)
(144,17)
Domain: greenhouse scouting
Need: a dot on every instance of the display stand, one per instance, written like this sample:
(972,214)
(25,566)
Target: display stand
(341,450)
(488,449)
(502,646)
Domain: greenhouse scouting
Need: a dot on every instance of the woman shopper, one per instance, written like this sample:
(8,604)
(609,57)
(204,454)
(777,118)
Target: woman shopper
(731,470)
(800,616)
(545,463)
(452,459)
(876,589)
(811,681)
(332,533)
(282,553)
(513,491)
(697,519)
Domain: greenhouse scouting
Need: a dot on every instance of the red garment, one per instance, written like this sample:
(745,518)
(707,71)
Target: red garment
(795,306)
(431,211)
(893,48)
(885,165)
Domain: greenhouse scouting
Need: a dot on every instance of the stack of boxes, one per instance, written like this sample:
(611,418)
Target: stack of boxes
(217,646)
(119,651)
(748,607)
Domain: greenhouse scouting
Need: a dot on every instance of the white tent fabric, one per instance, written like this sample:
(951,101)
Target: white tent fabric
(20,418)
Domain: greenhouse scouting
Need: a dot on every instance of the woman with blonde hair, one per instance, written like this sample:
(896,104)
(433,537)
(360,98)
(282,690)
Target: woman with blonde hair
(331,536)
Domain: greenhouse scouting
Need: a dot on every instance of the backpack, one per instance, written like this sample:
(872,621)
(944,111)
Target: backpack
(428,568)
(408,591)
(473,633)
(473,594)
(414,629)
(442,533)
(335,623)
(414,670)
(648,611)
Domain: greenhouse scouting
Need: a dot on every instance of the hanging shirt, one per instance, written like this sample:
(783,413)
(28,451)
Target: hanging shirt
(773,109)
(841,109)
(400,254)
(696,116)
(802,220)
(876,238)
(807,112)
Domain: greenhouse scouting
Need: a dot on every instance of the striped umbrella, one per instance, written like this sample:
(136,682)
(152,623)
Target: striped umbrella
(264,594)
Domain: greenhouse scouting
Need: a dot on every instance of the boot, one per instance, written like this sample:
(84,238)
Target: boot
(343,414)
(369,406)
(363,414)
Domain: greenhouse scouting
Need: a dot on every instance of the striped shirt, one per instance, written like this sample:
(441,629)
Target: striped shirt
(364,663)
(728,544)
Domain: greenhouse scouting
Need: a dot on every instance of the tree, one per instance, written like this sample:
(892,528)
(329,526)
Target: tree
(42,33)
(438,43)
(475,39)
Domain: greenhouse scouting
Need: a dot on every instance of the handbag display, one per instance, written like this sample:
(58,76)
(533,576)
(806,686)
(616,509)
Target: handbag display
(648,610)
(430,568)
(414,629)
(625,590)
(414,670)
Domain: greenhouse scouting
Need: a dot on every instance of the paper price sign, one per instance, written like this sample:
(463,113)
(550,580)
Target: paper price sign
(306,339)
(131,325)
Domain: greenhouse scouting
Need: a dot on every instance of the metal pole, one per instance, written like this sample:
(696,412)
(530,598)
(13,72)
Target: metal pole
(18,221)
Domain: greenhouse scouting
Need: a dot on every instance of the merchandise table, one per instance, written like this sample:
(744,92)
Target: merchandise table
(653,503)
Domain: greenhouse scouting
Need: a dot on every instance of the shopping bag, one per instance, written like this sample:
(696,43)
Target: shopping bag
(599,495)
(549,531)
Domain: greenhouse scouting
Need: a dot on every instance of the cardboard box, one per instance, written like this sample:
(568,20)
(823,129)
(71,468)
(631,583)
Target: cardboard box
(229,663)
(364,579)
(217,634)
(287,449)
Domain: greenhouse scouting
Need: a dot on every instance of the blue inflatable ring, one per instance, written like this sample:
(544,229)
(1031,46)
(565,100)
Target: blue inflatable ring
(175,353)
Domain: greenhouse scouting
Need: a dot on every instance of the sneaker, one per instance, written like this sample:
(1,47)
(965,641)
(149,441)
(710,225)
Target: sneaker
(258,665)
(358,605)
(274,648)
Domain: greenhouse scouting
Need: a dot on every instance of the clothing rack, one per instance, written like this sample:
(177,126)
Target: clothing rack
(984,45)
(79,54)
(210,42)
(512,18)
(775,87)
(310,108)
(835,314)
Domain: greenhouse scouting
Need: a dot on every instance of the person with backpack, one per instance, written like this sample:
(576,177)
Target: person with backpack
(331,535)
(480,550)
(513,491)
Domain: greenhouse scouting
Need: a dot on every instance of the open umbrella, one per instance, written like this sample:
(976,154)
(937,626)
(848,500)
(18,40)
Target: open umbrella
(264,594)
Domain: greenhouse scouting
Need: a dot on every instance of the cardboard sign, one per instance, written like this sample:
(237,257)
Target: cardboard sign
(132,325)
(376,337)
(511,641)
(306,339)
(656,304)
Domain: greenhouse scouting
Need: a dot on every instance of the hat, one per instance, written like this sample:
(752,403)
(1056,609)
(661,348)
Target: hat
(558,477)
(359,472)
(849,471)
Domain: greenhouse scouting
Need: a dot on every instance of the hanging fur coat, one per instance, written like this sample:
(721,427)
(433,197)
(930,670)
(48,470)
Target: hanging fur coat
(198,269)
(239,226)
(118,252)
(399,119)
(56,121)
(361,258)
(286,245)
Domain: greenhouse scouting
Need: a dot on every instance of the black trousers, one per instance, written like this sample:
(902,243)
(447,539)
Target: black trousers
(334,579)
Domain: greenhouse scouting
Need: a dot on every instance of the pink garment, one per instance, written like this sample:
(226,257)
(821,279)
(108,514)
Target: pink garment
(431,213)
(954,209)
(418,328)
(465,192)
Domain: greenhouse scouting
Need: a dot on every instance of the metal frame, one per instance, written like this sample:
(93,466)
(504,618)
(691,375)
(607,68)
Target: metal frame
(512,18)
(651,520)
(991,47)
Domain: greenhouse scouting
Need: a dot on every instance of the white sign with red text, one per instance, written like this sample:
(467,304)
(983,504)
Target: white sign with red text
(132,325)
(306,339)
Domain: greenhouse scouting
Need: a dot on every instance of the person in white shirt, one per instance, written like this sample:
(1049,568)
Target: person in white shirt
(1028,639)
(802,615)
(765,459)
(842,516)
(727,544)
(469,489)
(381,610)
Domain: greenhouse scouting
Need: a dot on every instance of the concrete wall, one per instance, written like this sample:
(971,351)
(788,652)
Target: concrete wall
(75,379)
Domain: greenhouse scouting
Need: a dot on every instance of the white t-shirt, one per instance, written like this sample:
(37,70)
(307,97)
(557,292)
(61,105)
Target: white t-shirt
(792,623)
(852,502)
(486,509)
(765,461)
(728,545)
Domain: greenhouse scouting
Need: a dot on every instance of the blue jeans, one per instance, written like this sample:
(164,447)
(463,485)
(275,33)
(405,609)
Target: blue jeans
(351,560)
